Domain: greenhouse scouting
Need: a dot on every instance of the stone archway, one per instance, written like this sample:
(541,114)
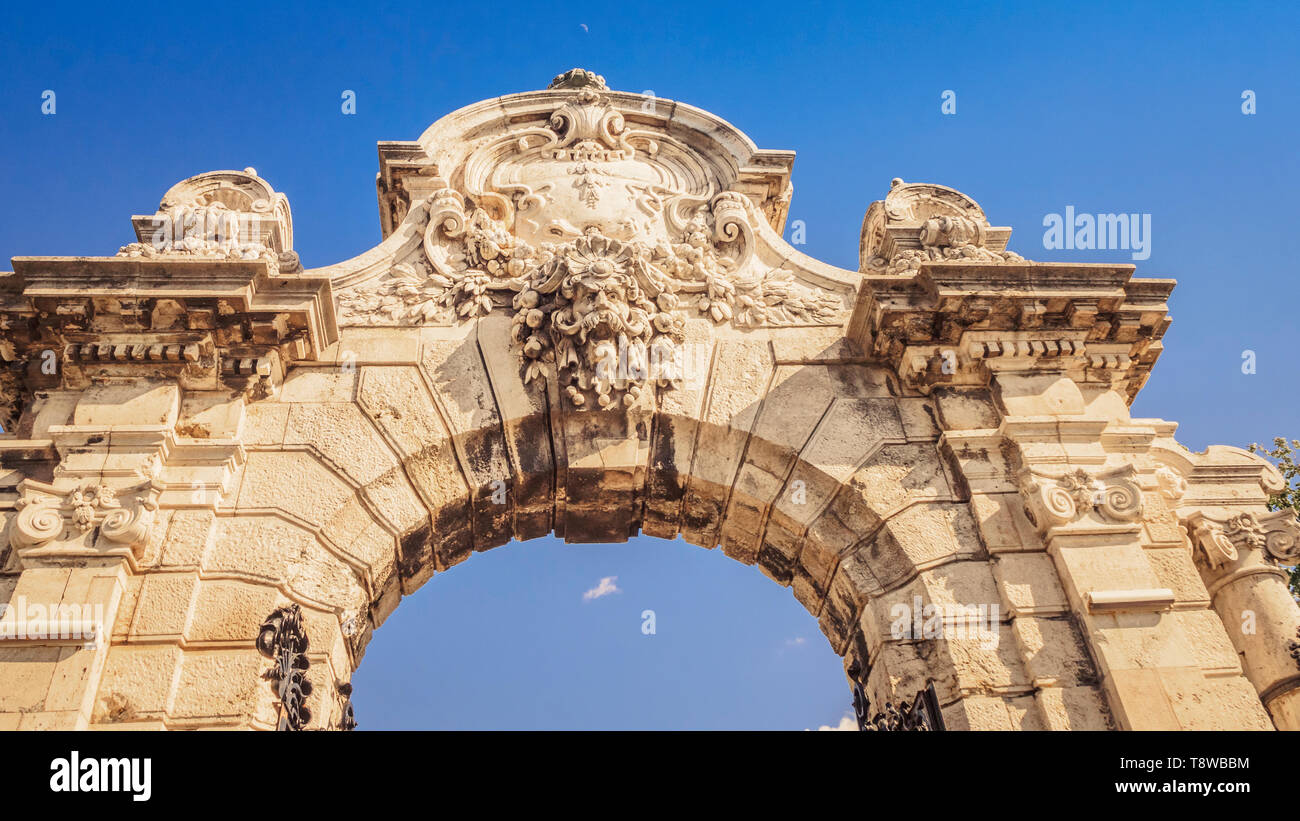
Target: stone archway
(583,320)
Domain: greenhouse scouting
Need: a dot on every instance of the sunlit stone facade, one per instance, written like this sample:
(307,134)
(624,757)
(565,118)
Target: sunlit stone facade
(583,319)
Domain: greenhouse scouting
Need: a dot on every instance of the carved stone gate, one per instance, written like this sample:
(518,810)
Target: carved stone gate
(582,319)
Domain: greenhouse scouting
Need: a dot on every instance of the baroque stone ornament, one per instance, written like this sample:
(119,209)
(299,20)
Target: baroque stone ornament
(601,238)
(922,715)
(597,313)
(232,215)
(1059,500)
(283,640)
(70,521)
(1171,484)
(918,223)
(1220,541)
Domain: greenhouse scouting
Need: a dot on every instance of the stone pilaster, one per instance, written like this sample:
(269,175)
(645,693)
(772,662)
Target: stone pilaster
(1238,546)
(75,544)
(1032,368)
(126,450)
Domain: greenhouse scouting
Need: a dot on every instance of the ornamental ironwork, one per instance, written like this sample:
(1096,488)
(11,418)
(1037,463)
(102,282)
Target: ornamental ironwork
(283,640)
(922,714)
(348,721)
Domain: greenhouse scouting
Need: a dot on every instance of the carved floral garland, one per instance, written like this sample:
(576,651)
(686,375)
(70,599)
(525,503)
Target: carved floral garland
(601,312)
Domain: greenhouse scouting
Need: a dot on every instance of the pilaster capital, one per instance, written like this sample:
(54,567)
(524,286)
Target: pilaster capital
(1082,502)
(184,472)
(1220,541)
(82,520)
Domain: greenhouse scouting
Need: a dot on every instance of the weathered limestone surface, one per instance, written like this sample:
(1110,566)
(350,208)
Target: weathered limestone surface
(583,320)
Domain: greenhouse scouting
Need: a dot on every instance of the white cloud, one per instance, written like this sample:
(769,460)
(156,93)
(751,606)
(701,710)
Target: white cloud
(606,587)
(846,723)
(795,642)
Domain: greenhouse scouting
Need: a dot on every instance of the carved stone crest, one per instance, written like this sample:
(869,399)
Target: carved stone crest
(219,215)
(921,222)
(601,238)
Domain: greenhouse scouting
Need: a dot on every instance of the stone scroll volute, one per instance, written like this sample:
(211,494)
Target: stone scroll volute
(85,520)
(1220,541)
(1106,497)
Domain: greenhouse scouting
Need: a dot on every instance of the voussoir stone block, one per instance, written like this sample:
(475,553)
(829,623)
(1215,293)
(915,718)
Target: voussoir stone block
(220,686)
(340,432)
(138,684)
(316,492)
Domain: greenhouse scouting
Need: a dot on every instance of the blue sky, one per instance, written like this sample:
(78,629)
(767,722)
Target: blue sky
(1101,106)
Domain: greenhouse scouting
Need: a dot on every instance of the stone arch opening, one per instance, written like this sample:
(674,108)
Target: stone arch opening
(533,636)
(824,478)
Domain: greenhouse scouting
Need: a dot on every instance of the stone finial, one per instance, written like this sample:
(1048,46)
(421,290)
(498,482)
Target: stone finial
(219,214)
(921,222)
(578,78)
